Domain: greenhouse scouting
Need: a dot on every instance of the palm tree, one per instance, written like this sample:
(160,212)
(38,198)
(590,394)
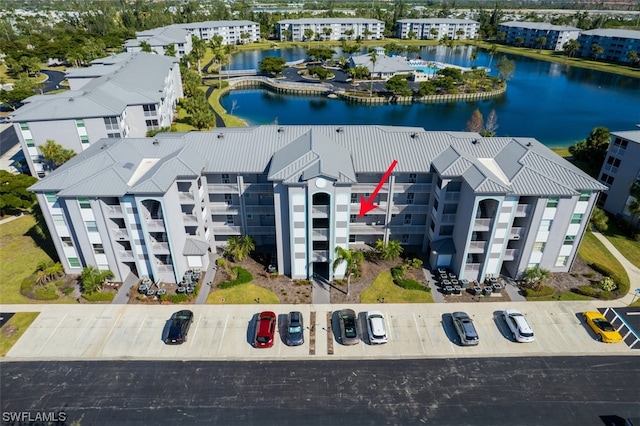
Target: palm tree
(198,49)
(536,276)
(434,33)
(633,57)
(374,59)
(327,32)
(352,258)
(308,35)
(492,51)
(634,209)
(239,247)
(93,279)
(389,251)
(145,47)
(366,33)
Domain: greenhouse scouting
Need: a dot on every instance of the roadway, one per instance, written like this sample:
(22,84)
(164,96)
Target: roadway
(501,391)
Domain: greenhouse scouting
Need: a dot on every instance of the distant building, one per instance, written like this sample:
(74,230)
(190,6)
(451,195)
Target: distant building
(124,95)
(160,206)
(616,44)
(437,28)
(528,34)
(160,39)
(385,67)
(337,29)
(620,170)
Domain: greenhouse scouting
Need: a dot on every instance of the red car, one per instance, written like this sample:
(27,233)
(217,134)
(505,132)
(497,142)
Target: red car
(265,329)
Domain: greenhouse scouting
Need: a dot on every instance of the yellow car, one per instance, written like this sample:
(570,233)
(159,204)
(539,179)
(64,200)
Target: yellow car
(605,332)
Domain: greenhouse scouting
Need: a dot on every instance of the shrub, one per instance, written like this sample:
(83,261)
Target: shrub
(397,273)
(26,287)
(175,298)
(67,290)
(98,297)
(302,282)
(48,292)
(585,290)
(242,277)
(543,291)
(607,284)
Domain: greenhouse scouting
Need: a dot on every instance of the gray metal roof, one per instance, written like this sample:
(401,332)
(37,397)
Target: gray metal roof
(499,165)
(630,135)
(384,64)
(438,21)
(327,21)
(162,36)
(215,24)
(610,32)
(138,80)
(195,247)
(544,26)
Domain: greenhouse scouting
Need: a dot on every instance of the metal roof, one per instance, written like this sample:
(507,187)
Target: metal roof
(611,32)
(545,26)
(630,135)
(438,21)
(195,247)
(330,21)
(292,153)
(384,64)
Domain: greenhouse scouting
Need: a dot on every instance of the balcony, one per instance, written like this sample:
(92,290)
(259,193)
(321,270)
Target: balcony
(186,196)
(522,210)
(516,233)
(114,211)
(448,218)
(320,233)
(481,224)
(120,234)
(126,255)
(255,188)
(477,246)
(160,247)
(261,230)
(320,255)
(320,211)
(510,254)
(223,188)
(223,208)
(155,225)
(452,196)
(190,219)
(364,229)
(408,229)
(226,230)
(411,187)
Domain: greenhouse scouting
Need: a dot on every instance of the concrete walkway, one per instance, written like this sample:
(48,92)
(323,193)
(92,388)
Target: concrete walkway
(209,276)
(632,271)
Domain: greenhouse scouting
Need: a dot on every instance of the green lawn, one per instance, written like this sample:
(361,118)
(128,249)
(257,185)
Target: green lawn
(562,152)
(384,288)
(242,294)
(593,251)
(229,120)
(568,295)
(19,256)
(14,328)
(629,248)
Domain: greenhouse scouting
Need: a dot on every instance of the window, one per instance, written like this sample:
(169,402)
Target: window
(620,143)
(435,205)
(91,226)
(29,143)
(405,239)
(84,139)
(412,177)
(84,203)
(354,198)
(111,123)
(569,240)
(552,202)
(58,219)
(113,135)
(539,246)
(576,218)
(562,260)
(51,197)
(410,197)
(229,219)
(66,241)
(615,162)
(149,110)
(607,179)
(407,219)
(98,249)
(533,265)
(24,126)
(545,224)
(352,238)
(225,178)
(249,216)
(227,199)
(79,123)
(74,262)
(584,196)
(151,124)
(352,218)
(446,230)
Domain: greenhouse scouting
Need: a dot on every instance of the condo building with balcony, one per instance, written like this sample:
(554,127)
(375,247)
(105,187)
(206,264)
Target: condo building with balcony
(159,39)
(437,28)
(529,34)
(620,170)
(159,206)
(122,96)
(616,44)
(330,29)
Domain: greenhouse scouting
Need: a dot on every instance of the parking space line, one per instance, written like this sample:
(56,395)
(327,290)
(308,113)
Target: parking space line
(192,338)
(108,336)
(81,333)
(224,329)
(139,330)
(53,333)
(415,320)
(556,327)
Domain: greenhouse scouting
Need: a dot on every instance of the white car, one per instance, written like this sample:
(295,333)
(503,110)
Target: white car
(376,328)
(520,329)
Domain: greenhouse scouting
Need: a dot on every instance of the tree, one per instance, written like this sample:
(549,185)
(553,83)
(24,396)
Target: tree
(460,33)
(633,57)
(327,32)
(519,41)
(591,152)
(541,42)
(492,51)
(321,73)
(55,154)
(389,251)
(308,35)
(93,279)
(536,276)
(475,122)
(596,50)
(399,85)
(198,49)
(170,50)
(434,33)
(571,47)
(22,89)
(47,271)
(491,124)
(320,53)
(599,220)
(14,196)
(272,65)
(411,35)
(506,67)
(634,210)
(374,58)
(239,247)
(145,47)
(366,33)
(349,33)
(473,57)
(352,258)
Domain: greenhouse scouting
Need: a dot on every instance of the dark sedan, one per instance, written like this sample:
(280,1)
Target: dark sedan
(295,327)
(179,328)
(465,329)
(348,327)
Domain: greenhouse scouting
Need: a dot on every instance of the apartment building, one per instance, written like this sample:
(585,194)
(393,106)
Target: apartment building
(159,206)
(529,34)
(117,97)
(616,43)
(619,172)
(232,32)
(437,28)
(159,39)
(330,29)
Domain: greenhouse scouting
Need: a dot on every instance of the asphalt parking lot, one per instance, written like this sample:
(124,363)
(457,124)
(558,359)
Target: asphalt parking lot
(91,332)
(627,322)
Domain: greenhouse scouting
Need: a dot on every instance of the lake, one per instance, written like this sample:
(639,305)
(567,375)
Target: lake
(552,102)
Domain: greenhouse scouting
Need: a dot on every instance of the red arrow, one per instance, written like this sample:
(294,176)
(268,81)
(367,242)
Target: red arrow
(367,205)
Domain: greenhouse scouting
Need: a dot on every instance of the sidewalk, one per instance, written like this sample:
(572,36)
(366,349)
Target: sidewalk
(632,271)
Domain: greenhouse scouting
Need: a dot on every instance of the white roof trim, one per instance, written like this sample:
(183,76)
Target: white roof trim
(145,165)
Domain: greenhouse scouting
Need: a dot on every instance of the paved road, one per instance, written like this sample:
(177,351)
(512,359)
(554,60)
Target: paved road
(508,391)
(53,81)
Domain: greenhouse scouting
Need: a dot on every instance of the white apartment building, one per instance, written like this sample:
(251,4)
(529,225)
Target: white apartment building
(528,34)
(159,206)
(159,39)
(437,28)
(121,96)
(330,29)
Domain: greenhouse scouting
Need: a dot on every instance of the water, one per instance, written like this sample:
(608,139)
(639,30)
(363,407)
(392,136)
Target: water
(552,102)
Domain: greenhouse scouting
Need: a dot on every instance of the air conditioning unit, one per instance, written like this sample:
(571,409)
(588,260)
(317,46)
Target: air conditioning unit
(516,237)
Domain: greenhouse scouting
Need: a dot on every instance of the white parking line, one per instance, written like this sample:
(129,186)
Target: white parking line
(556,327)
(195,331)
(418,330)
(53,333)
(224,329)
(106,338)
(139,330)
(80,335)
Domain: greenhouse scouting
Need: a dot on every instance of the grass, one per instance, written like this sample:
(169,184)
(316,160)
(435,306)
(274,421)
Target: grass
(384,288)
(561,296)
(19,254)
(181,125)
(629,248)
(635,304)
(19,322)
(562,152)
(593,251)
(241,295)
(229,120)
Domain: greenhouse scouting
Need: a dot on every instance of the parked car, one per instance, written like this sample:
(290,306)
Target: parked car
(520,329)
(295,328)
(605,331)
(376,328)
(348,327)
(265,329)
(179,327)
(465,329)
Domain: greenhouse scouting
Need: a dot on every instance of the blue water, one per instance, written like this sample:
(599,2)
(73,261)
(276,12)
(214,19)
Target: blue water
(554,103)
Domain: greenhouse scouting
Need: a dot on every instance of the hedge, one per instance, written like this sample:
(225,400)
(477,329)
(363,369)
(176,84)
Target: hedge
(48,292)
(623,284)
(98,297)
(407,283)
(591,291)
(175,298)
(544,291)
(244,277)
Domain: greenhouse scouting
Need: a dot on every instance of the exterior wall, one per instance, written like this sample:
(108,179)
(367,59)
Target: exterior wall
(555,38)
(620,171)
(230,33)
(615,48)
(338,28)
(422,29)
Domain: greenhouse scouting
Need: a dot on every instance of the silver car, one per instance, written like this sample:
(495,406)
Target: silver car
(376,328)
(465,329)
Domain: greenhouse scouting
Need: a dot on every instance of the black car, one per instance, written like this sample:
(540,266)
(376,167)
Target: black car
(180,323)
(465,329)
(348,327)
(295,327)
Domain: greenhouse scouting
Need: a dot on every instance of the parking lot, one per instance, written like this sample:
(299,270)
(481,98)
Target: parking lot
(226,332)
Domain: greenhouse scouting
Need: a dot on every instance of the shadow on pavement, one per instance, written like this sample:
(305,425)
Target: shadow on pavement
(251,330)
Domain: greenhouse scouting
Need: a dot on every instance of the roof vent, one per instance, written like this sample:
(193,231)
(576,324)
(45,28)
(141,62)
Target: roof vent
(528,143)
(414,135)
(128,165)
(156,142)
(70,99)
(475,141)
(220,135)
(340,129)
(280,129)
